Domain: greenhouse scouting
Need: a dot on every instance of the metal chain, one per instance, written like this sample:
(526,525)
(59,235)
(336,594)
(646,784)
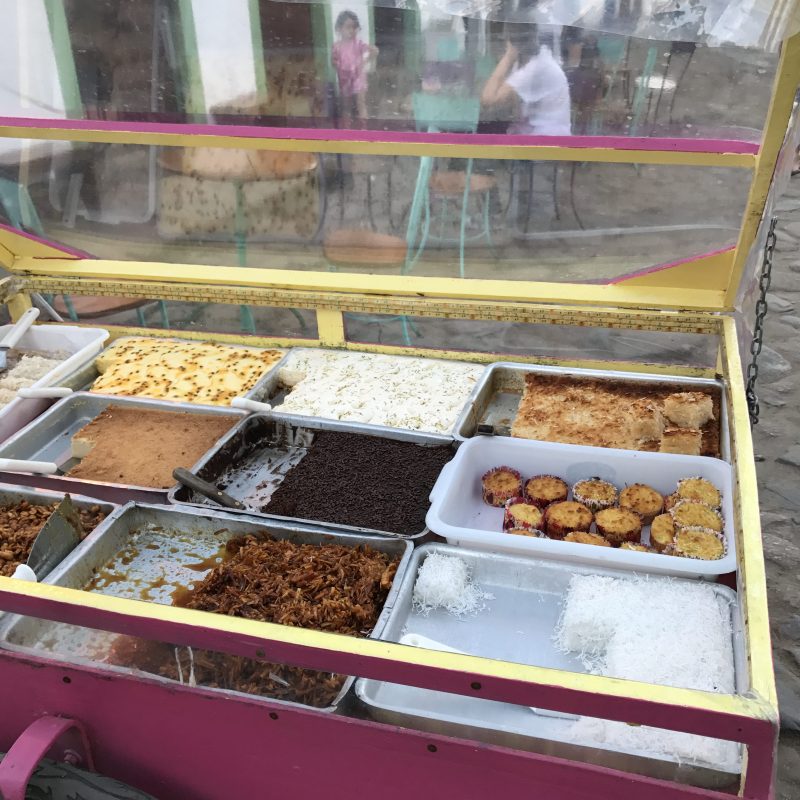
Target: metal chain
(762,307)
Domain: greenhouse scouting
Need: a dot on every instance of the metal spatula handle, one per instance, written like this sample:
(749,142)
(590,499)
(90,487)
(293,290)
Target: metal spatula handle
(191,481)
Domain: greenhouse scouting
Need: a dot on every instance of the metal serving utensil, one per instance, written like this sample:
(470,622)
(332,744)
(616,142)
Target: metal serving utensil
(59,536)
(191,481)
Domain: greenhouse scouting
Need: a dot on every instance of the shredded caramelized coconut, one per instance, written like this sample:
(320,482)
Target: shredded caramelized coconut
(20,524)
(324,587)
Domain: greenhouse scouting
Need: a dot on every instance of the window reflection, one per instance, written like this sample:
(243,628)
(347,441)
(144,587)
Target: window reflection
(292,63)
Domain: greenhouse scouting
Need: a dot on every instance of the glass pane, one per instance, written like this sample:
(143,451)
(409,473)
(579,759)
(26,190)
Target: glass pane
(547,221)
(392,66)
(564,342)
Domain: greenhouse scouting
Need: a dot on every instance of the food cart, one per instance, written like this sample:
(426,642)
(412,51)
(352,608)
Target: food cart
(658,295)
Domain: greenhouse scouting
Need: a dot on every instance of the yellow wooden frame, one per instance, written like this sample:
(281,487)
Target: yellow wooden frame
(760,703)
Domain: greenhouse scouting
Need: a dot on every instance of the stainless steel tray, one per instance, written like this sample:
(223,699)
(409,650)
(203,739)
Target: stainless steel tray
(496,397)
(274,392)
(170,547)
(11,495)
(250,473)
(48,438)
(82,379)
(517,627)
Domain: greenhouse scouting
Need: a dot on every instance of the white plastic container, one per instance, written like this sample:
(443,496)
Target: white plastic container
(82,345)
(459,514)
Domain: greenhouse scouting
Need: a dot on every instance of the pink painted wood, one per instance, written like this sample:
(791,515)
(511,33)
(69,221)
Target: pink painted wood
(33,744)
(335,134)
(176,742)
(758,734)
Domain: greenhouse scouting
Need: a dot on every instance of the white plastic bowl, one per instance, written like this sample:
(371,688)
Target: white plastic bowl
(459,514)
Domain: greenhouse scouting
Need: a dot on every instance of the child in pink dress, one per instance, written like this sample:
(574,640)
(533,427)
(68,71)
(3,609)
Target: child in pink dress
(349,60)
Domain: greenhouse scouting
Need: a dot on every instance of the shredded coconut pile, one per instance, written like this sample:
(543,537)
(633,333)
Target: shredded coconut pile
(380,390)
(23,374)
(445,582)
(654,630)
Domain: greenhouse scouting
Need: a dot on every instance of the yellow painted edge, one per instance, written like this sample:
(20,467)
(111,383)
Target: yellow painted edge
(752,571)
(25,247)
(6,257)
(787,80)
(265,633)
(399,285)
(500,152)
(383,303)
(18,304)
(330,328)
(709,272)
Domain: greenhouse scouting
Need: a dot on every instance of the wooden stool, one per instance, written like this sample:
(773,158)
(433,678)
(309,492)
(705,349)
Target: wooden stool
(89,307)
(363,248)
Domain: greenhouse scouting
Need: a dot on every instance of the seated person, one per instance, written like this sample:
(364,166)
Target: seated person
(529,78)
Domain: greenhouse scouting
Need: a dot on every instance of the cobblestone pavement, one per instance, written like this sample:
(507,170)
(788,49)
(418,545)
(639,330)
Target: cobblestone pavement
(777,445)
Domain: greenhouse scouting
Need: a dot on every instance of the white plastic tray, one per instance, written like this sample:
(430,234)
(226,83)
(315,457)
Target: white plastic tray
(459,514)
(82,345)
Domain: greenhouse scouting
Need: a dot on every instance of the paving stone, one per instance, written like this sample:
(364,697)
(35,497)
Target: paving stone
(788,685)
(779,304)
(791,456)
(790,227)
(791,320)
(791,628)
(771,399)
(772,365)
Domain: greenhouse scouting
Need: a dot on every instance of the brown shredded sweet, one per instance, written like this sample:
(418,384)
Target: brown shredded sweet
(326,587)
(20,524)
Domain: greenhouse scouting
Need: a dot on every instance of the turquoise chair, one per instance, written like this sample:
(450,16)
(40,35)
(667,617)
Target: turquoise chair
(644,92)
(440,113)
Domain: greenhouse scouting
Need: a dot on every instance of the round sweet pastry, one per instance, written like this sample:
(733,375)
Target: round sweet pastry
(670,500)
(637,546)
(565,517)
(520,514)
(702,543)
(619,525)
(582,537)
(501,484)
(662,532)
(701,490)
(691,514)
(643,499)
(595,494)
(541,490)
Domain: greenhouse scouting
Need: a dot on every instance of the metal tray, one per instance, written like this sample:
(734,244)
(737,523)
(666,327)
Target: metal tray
(274,393)
(251,473)
(527,593)
(81,380)
(495,399)
(11,495)
(48,438)
(175,548)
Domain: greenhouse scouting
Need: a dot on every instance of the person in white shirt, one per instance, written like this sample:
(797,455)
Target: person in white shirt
(529,77)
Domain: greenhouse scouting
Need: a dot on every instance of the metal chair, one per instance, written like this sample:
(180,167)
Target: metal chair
(438,113)
(369,249)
